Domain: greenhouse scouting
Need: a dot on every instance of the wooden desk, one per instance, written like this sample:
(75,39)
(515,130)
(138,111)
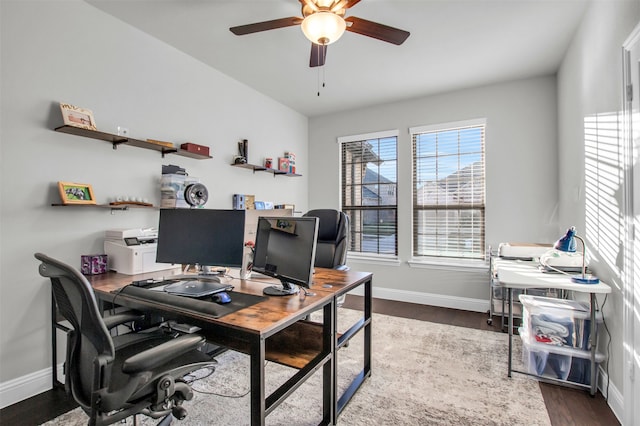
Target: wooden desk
(514,274)
(271,330)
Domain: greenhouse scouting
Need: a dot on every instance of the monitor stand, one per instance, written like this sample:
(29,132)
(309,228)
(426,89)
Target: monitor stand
(287,289)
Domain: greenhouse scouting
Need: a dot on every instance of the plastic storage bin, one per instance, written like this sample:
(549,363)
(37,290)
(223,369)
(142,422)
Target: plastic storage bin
(557,362)
(556,322)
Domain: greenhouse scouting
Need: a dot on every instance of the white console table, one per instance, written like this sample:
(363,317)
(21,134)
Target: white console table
(512,274)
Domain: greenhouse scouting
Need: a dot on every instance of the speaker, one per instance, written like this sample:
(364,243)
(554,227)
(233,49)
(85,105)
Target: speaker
(196,195)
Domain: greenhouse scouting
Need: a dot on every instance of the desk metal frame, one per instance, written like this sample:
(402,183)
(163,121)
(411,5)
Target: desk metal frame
(525,275)
(250,330)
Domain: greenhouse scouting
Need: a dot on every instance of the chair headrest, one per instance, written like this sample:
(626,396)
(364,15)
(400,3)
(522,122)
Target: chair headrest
(332,224)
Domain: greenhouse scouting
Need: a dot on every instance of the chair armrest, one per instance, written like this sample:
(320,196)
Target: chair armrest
(118,319)
(156,356)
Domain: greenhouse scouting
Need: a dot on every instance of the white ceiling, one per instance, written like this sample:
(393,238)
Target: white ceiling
(454,44)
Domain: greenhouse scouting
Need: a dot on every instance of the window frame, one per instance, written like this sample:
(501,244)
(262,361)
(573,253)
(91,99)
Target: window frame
(370,256)
(447,261)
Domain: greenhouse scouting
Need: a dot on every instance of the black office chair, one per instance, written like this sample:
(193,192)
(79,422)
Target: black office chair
(333,240)
(113,378)
(333,237)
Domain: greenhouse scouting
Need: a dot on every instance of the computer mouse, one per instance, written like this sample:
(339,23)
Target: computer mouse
(222,298)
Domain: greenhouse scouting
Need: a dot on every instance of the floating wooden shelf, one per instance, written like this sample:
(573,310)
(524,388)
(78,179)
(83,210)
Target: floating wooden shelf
(107,206)
(257,168)
(116,140)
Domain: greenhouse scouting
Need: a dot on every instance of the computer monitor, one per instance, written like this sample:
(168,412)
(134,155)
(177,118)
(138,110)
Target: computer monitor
(204,237)
(285,248)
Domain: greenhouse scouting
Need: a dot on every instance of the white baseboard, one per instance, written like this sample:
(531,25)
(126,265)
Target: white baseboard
(443,301)
(24,387)
(614,397)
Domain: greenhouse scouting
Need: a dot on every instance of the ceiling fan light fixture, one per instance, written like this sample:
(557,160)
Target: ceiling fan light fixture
(323,27)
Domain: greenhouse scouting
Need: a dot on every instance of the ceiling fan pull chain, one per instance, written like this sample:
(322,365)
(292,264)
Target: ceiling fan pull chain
(323,79)
(323,76)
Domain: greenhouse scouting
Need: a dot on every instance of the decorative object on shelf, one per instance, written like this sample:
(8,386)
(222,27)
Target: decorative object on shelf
(244,202)
(250,202)
(130,203)
(161,143)
(196,195)
(243,151)
(268,163)
(77,117)
(238,202)
(291,207)
(292,161)
(93,264)
(195,148)
(568,244)
(125,199)
(283,164)
(76,193)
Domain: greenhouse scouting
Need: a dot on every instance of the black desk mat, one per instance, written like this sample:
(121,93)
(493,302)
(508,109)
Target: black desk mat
(204,305)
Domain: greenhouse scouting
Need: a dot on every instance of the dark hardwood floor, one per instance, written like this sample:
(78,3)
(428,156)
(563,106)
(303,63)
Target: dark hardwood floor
(565,406)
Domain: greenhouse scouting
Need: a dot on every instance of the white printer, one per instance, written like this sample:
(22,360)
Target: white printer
(133,251)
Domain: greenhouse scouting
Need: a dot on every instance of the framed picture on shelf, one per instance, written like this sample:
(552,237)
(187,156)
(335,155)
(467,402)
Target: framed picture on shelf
(77,117)
(76,193)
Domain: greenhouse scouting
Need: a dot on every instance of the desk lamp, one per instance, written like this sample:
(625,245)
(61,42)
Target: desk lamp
(568,244)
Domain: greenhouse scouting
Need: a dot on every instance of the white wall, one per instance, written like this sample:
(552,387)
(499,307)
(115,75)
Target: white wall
(521,175)
(69,51)
(590,185)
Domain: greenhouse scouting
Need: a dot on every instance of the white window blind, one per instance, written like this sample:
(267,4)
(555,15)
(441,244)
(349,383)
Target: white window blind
(449,190)
(369,191)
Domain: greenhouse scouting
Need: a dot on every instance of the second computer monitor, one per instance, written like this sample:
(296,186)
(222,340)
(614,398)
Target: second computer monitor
(201,236)
(285,248)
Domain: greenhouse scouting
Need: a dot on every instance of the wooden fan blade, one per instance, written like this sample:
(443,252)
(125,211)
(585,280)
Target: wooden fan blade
(266,25)
(375,30)
(318,55)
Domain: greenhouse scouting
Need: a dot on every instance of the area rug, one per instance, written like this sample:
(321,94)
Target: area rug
(423,373)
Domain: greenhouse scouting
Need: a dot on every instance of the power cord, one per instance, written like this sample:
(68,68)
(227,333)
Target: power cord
(191,378)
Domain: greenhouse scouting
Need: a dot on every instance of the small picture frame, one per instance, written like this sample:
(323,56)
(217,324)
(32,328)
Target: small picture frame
(76,193)
(77,117)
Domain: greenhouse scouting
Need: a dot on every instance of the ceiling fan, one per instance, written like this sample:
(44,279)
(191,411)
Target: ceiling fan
(323,23)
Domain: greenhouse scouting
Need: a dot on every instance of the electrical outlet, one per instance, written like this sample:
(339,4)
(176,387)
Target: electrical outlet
(123,131)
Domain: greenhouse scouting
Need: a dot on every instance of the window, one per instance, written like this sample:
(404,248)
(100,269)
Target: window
(368,191)
(449,190)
